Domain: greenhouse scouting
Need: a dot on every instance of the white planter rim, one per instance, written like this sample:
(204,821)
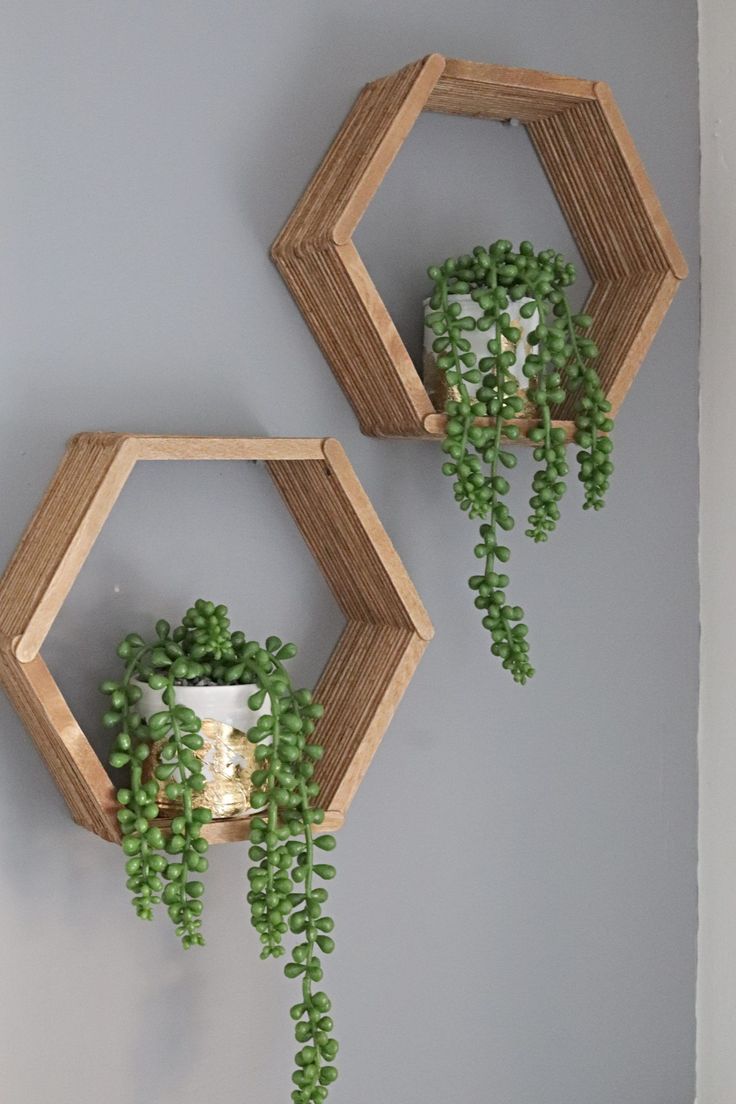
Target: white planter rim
(233,688)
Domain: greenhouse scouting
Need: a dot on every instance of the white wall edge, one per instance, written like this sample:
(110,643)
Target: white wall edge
(716,990)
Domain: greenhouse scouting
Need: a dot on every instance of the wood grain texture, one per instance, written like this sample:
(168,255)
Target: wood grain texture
(66,751)
(227,448)
(358,338)
(595,171)
(361,707)
(499,92)
(359,158)
(238,828)
(646,196)
(59,537)
(435,424)
(388,627)
(358,560)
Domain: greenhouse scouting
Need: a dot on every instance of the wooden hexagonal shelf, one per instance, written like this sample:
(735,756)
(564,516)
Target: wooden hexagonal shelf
(600,184)
(387,626)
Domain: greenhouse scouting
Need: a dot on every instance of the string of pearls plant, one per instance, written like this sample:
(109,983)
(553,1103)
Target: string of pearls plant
(486,387)
(162,862)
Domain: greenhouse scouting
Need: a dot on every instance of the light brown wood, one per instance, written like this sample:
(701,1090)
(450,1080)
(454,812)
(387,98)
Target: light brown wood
(359,158)
(358,338)
(387,625)
(227,448)
(361,708)
(643,186)
(499,92)
(359,562)
(66,751)
(238,828)
(59,537)
(435,424)
(595,171)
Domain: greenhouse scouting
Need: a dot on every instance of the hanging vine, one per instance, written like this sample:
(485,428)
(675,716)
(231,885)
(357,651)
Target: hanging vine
(162,861)
(560,361)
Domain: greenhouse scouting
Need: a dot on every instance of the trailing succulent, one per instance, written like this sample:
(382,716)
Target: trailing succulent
(163,861)
(560,362)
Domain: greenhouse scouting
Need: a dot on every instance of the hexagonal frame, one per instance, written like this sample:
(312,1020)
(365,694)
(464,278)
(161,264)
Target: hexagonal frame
(600,184)
(387,626)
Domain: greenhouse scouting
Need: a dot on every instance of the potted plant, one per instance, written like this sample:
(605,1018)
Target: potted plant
(208,723)
(503,344)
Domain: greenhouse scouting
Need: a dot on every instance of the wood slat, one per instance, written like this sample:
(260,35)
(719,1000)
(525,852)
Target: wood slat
(70,758)
(348,542)
(604,192)
(361,687)
(237,829)
(651,305)
(59,537)
(435,425)
(499,92)
(226,448)
(357,335)
(358,159)
(632,162)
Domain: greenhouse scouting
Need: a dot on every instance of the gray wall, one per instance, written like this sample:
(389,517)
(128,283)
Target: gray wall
(516,899)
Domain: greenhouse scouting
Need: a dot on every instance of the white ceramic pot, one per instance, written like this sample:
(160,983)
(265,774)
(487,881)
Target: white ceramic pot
(228,757)
(434,377)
